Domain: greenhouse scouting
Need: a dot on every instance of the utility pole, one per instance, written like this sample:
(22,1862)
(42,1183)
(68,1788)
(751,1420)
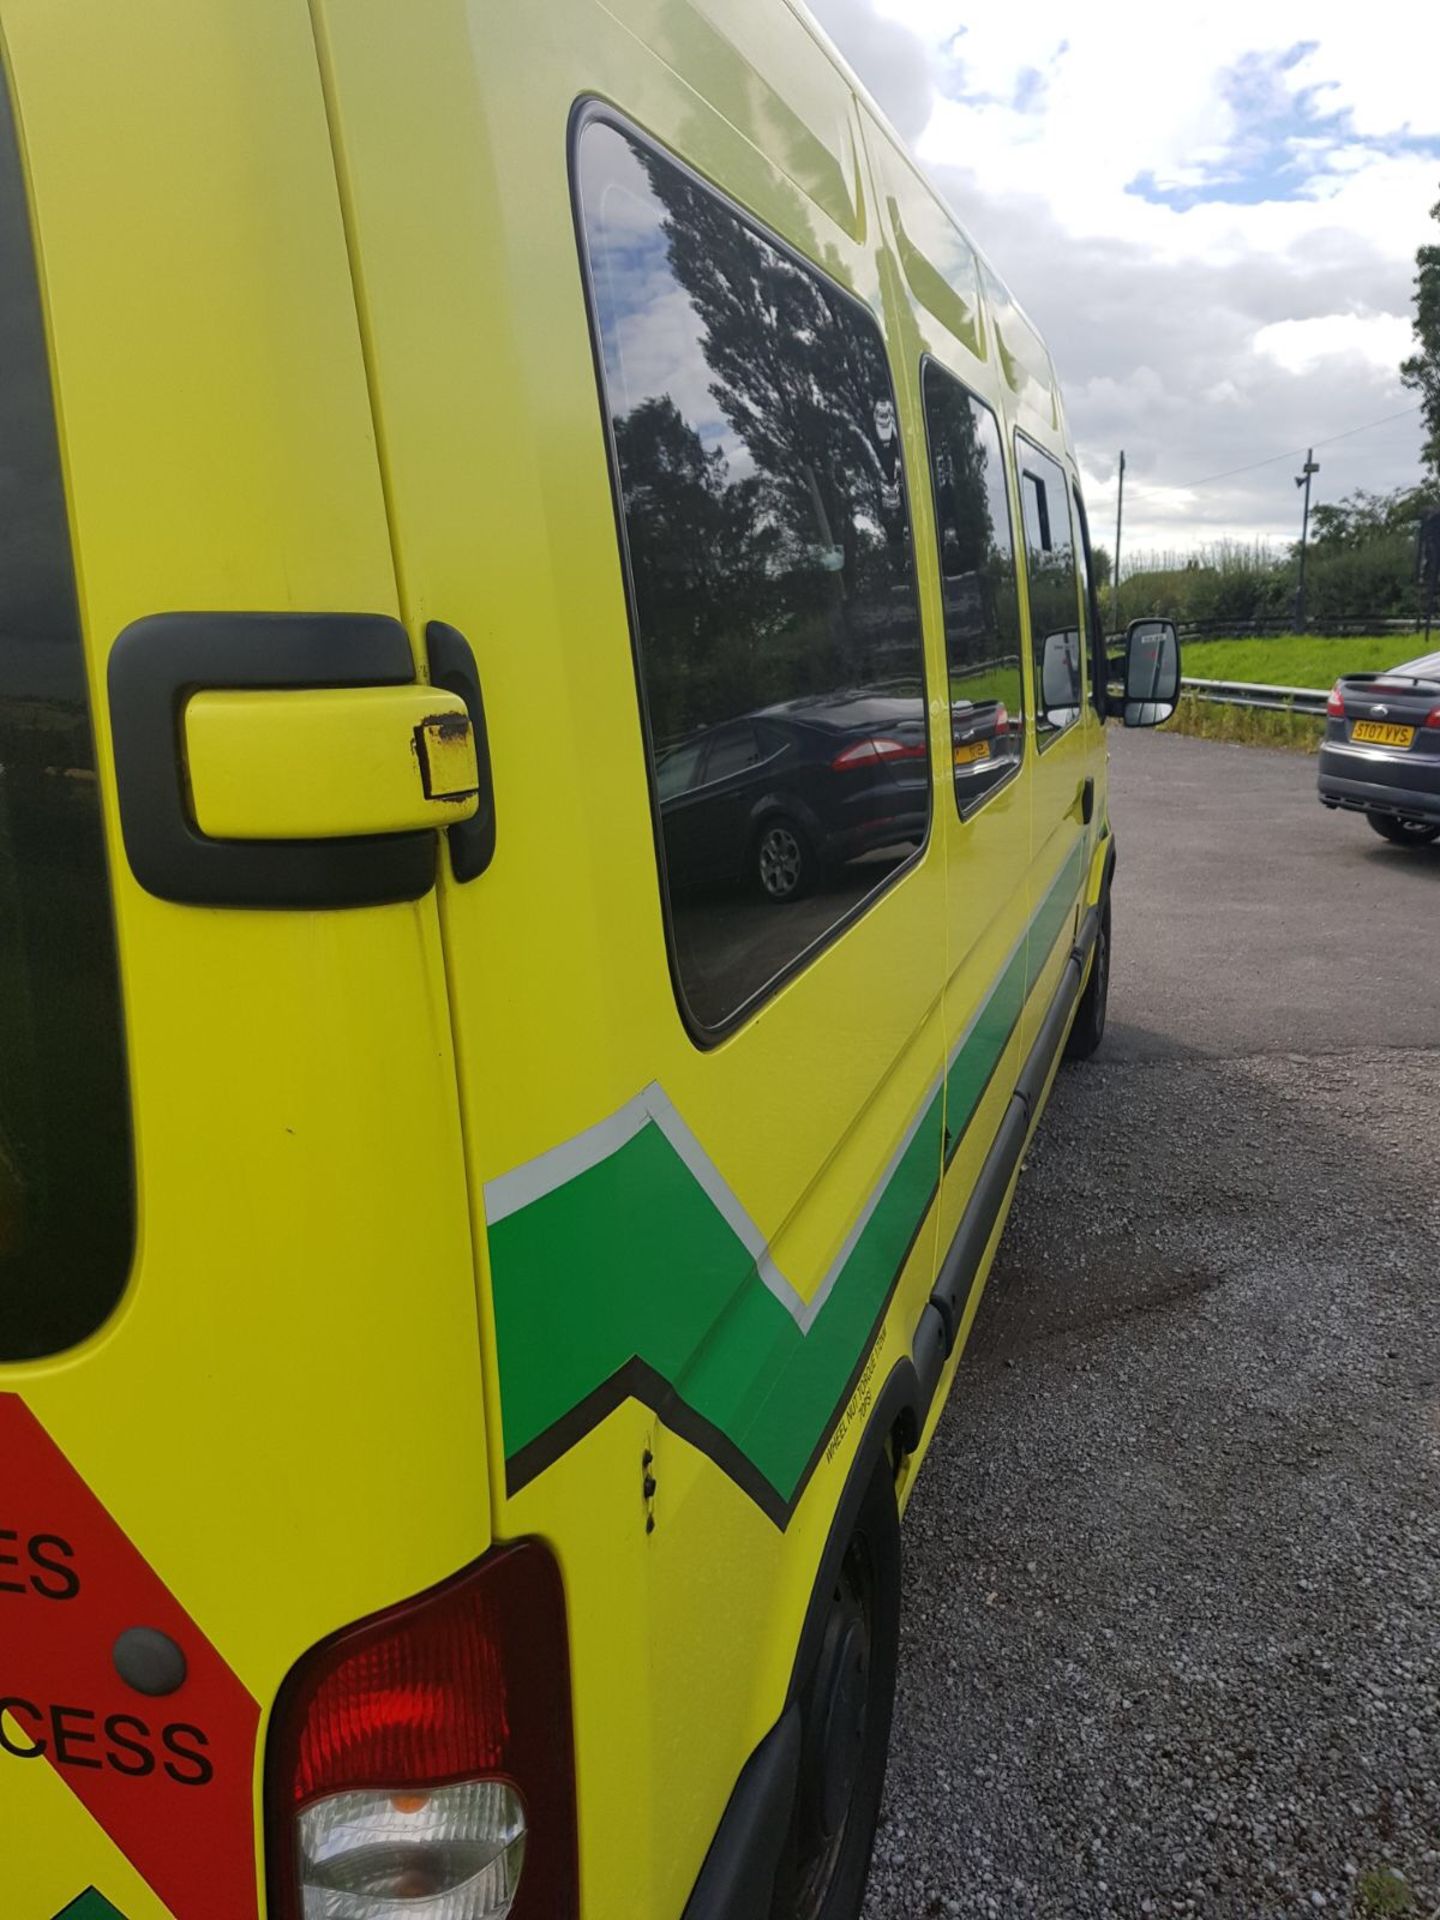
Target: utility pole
(1302,479)
(1119,520)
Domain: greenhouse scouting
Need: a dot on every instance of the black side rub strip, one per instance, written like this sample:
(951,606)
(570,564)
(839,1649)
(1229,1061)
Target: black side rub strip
(155,664)
(967,1249)
(736,1881)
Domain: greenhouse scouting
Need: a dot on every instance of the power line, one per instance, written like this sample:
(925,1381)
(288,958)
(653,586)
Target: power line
(1292,453)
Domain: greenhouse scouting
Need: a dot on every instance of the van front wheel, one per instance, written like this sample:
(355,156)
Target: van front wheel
(846,1710)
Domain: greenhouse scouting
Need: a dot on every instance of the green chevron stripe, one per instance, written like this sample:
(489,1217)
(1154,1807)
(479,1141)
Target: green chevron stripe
(631,1259)
(90,1905)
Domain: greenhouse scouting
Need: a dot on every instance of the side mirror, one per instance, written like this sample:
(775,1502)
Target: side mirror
(1152,673)
(1060,677)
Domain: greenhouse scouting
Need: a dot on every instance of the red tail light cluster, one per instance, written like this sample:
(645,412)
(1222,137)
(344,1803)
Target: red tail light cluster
(1335,705)
(421,1763)
(1432,719)
(879,748)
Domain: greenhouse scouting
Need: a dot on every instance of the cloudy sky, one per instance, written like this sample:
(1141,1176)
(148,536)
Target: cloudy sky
(1212,215)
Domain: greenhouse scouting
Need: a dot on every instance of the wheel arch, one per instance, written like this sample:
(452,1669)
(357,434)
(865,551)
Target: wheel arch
(738,1873)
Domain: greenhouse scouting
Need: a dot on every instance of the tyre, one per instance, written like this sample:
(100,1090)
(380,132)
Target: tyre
(785,863)
(1089,1027)
(1404,833)
(846,1709)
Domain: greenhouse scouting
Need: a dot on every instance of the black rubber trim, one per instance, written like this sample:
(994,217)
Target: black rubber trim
(962,1259)
(1366,796)
(929,1350)
(155,665)
(452,666)
(897,1408)
(1041,1057)
(737,1881)
(972,1236)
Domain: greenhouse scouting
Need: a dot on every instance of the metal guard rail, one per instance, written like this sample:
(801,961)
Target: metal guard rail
(1245,693)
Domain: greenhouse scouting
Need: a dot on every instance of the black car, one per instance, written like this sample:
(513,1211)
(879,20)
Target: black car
(1381,752)
(783,796)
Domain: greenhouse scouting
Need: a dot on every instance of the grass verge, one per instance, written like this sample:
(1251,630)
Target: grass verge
(1246,726)
(1299,659)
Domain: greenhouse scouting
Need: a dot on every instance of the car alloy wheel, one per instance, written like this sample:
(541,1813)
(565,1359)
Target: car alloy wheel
(781,861)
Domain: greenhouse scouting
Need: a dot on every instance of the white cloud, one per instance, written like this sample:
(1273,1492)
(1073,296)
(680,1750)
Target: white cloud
(1212,216)
(1381,339)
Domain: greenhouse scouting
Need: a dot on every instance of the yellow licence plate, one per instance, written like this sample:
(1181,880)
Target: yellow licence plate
(976,750)
(1379,735)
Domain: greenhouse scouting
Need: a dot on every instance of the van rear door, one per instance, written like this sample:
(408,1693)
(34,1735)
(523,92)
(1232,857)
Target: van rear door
(240,1396)
(705,1251)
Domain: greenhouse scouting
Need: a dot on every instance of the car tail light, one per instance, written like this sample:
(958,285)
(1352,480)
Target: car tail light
(421,1763)
(1002,718)
(1432,719)
(881,748)
(1335,705)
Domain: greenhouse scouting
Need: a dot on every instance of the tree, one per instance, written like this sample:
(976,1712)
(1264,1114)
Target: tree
(1421,372)
(1363,517)
(700,555)
(799,378)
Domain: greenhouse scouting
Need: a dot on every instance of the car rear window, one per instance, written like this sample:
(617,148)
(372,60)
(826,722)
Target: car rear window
(66,1205)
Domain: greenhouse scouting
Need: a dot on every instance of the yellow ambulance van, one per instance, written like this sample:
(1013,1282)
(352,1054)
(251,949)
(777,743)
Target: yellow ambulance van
(553,834)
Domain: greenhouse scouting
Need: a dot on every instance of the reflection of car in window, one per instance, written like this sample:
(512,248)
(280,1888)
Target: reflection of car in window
(678,769)
(779,797)
(986,741)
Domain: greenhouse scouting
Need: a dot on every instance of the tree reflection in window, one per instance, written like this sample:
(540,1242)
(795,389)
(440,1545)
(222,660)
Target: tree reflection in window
(759,473)
(977,577)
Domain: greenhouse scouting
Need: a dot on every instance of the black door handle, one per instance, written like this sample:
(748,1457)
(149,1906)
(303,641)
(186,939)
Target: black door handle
(1087,801)
(452,666)
(161,659)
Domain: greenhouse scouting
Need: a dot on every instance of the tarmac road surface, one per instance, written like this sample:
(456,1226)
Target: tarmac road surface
(1172,1608)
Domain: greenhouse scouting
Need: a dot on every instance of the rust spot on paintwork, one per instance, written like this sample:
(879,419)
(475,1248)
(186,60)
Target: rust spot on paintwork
(447,726)
(440,730)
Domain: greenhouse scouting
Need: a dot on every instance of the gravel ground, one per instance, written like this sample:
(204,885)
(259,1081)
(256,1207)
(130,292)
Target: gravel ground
(1172,1632)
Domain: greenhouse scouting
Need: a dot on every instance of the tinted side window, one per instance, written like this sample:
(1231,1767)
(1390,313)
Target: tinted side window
(65,1194)
(1054,594)
(1099,658)
(977,578)
(772,592)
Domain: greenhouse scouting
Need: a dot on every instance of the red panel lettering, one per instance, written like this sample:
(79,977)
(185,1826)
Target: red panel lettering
(187,1826)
